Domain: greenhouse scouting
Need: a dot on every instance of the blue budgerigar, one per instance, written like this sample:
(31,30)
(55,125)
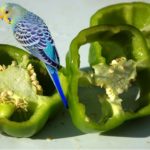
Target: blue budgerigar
(33,34)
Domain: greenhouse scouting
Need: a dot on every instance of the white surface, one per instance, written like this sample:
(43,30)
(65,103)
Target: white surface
(65,18)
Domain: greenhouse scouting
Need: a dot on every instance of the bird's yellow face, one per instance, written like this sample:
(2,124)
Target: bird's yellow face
(5,14)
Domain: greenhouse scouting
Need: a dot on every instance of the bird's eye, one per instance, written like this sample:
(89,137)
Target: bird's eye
(6,12)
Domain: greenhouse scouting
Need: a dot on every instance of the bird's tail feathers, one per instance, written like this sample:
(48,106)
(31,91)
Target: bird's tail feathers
(55,78)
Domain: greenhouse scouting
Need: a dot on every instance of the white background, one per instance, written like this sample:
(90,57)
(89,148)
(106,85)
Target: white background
(65,18)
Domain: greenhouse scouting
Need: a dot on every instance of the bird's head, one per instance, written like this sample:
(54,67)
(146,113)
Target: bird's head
(10,12)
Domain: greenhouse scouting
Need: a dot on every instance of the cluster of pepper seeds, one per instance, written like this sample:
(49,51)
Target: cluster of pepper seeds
(32,74)
(116,77)
(34,80)
(8,97)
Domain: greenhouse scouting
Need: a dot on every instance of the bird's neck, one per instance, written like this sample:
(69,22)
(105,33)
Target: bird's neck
(17,19)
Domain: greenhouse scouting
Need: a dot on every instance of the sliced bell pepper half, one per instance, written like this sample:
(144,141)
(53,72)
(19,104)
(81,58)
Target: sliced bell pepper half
(27,95)
(91,104)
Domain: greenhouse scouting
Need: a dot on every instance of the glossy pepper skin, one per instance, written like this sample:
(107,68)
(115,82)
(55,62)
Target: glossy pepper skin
(112,114)
(17,122)
(134,13)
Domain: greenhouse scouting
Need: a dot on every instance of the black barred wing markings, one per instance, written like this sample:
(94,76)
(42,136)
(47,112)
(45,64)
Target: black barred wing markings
(33,34)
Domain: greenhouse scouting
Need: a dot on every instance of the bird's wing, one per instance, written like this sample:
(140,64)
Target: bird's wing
(26,34)
(36,39)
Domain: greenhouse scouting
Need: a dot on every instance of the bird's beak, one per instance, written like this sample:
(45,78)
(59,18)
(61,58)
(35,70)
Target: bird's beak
(1,14)
(4,17)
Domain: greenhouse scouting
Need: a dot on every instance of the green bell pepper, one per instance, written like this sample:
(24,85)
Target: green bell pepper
(27,95)
(112,90)
(135,14)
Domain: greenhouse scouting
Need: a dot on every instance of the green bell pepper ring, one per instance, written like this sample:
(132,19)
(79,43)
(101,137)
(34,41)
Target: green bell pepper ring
(27,95)
(84,87)
(135,14)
